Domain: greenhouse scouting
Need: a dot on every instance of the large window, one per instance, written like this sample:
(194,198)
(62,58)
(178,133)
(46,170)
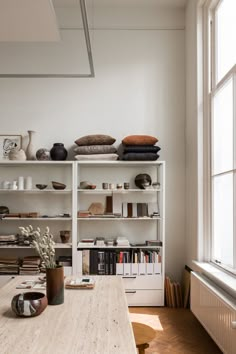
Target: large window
(223,133)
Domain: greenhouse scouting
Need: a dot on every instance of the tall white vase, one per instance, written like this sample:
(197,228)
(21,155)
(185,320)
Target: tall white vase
(30,150)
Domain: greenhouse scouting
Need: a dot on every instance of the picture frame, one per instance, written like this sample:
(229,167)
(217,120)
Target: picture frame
(9,142)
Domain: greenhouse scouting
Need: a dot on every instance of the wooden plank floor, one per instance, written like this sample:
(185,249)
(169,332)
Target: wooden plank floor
(177,331)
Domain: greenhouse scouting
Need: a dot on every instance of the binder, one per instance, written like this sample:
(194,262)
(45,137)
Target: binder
(130,210)
(141,269)
(134,268)
(149,268)
(124,210)
(157,268)
(127,268)
(119,269)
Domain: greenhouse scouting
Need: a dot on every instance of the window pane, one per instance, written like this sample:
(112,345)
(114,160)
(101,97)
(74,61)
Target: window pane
(225,37)
(223,219)
(222,150)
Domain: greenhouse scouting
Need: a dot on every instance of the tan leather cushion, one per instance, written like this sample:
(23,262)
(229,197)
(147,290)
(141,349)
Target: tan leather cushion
(139,140)
(96,139)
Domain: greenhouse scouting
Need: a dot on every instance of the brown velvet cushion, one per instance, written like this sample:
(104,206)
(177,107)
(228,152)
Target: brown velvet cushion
(95,149)
(96,139)
(139,140)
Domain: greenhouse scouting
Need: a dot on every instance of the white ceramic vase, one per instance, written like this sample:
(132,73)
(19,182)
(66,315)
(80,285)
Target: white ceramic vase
(30,150)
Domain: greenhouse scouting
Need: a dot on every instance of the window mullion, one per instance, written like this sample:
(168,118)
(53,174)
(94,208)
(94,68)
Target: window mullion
(234,165)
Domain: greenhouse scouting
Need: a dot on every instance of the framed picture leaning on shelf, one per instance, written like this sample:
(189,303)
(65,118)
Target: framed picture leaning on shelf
(8,143)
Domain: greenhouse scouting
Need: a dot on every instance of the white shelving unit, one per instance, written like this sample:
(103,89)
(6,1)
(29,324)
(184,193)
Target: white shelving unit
(142,290)
(50,204)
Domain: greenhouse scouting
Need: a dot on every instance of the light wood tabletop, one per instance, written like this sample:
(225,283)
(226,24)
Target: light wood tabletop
(89,322)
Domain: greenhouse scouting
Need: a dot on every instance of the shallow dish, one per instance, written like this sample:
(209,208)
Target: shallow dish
(29,304)
(41,186)
(58,185)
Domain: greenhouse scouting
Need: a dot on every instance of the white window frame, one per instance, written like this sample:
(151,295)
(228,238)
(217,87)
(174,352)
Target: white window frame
(209,89)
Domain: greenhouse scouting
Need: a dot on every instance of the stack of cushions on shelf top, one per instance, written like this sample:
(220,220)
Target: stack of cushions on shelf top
(95,147)
(140,148)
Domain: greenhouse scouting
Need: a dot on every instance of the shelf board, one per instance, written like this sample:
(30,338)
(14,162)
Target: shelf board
(35,162)
(116,247)
(57,245)
(39,219)
(119,219)
(36,191)
(117,191)
(119,163)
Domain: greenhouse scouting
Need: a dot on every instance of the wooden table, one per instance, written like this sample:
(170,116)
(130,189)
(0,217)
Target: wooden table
(89,322)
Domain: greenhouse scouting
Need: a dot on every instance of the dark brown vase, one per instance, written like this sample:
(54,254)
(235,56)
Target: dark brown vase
(55,285)
(58,152)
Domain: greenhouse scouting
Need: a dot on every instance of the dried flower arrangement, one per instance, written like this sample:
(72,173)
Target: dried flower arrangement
(43,244)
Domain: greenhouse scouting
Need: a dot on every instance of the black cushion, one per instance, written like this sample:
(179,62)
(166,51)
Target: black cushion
(140,156)
(141,148)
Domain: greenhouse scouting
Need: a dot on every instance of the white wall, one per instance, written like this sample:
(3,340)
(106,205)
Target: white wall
(139,88)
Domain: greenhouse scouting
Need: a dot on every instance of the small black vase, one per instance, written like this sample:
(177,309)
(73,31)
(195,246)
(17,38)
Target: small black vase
(58,152)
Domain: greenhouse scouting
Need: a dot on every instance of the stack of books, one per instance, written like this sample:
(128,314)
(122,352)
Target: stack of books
(8,239)
(100,241)
(9,266)
(122,241)
(30,266)
(65,261)
(86,242)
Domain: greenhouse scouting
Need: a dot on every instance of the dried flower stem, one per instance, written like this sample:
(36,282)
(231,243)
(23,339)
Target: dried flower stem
(43,244)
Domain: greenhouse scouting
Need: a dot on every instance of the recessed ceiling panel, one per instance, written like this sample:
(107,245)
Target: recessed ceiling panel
(71,56)
(28,20)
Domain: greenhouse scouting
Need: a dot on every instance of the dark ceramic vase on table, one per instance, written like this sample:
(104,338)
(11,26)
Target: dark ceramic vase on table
(55,285)
(58,152)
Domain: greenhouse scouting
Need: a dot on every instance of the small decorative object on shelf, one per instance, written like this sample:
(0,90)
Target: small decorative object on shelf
(30,151)
(43,154)
(143,180)
(4,210)
(58,152)
(65,236)
(44,246)
(41,186)
(18,155)
(29,304)
(58,185)
(28,183)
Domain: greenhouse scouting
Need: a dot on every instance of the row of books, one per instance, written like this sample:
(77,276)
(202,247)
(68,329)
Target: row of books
(173,293)
(133,262)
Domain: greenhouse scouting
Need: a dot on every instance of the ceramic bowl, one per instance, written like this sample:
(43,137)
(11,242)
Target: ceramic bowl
(58,185)
(29,304)
(41,186)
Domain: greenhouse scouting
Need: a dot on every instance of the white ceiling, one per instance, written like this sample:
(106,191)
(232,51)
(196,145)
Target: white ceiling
(35,20)
(115,3)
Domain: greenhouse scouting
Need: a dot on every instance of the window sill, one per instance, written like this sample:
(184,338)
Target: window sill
(224,280)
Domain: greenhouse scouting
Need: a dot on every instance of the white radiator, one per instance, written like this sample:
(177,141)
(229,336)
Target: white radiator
(216,310)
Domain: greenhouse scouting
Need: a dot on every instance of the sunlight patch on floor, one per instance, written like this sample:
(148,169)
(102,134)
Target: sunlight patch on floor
(149,320)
